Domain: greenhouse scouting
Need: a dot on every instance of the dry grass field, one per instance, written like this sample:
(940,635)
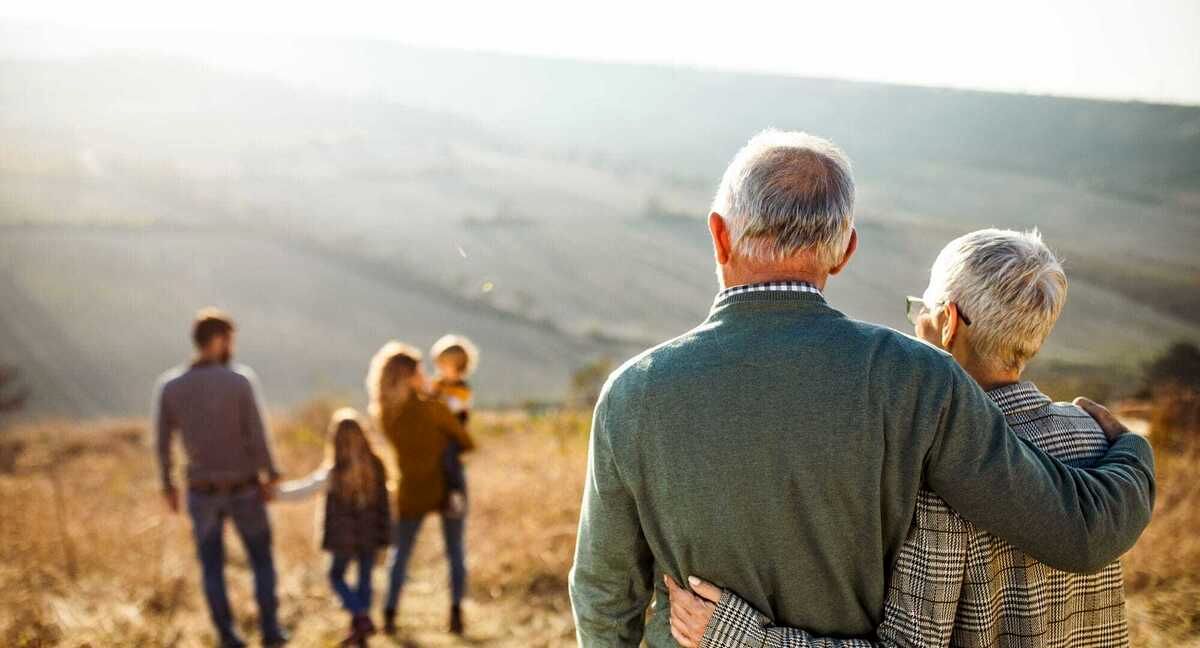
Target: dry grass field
(88,556)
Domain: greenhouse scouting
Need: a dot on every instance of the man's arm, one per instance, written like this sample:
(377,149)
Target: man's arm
(164,432)
(1077,520)
(611,579)
(256,427)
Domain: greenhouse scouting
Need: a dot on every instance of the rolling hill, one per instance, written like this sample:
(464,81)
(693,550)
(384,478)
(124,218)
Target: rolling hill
(553,210)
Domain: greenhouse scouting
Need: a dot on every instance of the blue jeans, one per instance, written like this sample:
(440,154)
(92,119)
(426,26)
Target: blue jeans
(249,514)
(406,533)
(356,600)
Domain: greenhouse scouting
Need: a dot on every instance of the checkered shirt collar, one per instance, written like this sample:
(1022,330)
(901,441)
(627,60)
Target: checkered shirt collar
(767,286)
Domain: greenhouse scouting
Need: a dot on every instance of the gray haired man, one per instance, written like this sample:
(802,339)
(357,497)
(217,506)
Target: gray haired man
(781,447)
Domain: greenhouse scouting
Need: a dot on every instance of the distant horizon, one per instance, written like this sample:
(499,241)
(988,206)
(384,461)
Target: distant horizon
(518,199)
(1072,49)
(101,49)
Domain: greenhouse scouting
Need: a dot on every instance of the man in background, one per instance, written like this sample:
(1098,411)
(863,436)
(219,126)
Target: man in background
(214,408)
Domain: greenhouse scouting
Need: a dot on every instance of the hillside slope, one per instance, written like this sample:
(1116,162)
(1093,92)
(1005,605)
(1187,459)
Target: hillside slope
(136,187)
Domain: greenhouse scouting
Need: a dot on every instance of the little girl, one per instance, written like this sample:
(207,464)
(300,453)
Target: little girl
(357,519)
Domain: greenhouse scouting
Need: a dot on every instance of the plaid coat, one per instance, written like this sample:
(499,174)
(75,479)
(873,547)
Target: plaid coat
(956,585)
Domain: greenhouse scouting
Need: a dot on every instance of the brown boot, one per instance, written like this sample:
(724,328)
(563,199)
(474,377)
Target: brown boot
(456,620)
(358,631)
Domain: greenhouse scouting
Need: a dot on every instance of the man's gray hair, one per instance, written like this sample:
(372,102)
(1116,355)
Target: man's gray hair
(785,192)
(1011,287)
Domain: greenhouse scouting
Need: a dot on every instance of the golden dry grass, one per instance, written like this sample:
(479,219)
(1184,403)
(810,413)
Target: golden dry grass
(89,558)
(1162,573)
(115,570)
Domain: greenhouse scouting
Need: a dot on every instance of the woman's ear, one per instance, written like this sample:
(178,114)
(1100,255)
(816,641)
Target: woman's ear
(949,325)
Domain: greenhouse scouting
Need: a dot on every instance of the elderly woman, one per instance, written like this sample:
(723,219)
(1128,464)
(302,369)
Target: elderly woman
(992,299)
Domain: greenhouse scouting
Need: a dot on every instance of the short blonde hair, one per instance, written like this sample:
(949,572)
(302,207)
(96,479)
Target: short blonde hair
(453,343)
(1009,284)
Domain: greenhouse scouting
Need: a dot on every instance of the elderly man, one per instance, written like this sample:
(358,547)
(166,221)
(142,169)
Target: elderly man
(781,447)
(953,583)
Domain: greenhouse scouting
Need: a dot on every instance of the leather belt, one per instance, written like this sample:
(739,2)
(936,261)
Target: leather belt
(221,488)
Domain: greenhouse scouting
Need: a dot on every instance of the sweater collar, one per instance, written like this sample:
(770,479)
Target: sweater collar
(773,291)
(767,287)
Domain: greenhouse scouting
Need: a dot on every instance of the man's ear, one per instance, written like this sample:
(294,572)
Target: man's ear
(851,247)
(722,246)
(949,324)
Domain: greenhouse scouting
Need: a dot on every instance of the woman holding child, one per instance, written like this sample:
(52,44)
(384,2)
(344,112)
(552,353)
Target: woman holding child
(421,429)
(425,426)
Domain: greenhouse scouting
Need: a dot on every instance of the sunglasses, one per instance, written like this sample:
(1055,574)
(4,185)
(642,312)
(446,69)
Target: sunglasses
(915,307)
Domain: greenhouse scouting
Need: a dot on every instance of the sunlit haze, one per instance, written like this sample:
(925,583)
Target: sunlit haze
(1117,49)
(632,210)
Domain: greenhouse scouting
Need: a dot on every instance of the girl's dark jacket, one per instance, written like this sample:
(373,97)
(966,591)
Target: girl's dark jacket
(350,530)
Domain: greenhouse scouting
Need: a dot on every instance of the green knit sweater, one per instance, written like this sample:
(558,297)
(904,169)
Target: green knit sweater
(779,446)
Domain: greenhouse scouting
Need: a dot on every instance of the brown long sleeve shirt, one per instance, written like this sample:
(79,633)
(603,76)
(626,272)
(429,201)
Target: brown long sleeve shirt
(419,431)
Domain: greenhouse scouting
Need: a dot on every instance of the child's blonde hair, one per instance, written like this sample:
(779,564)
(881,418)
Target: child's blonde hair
(460,346)
(353,473)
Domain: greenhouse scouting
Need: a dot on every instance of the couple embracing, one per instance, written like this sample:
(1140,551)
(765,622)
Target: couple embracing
(213,405)
(783,475)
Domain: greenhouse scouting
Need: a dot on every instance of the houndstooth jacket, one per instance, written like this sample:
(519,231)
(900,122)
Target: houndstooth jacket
(956,585)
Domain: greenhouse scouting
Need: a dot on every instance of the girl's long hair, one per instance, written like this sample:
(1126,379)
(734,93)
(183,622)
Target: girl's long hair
(354,475)
(391,364)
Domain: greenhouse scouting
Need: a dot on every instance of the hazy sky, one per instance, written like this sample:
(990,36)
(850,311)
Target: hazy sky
(1148,49)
